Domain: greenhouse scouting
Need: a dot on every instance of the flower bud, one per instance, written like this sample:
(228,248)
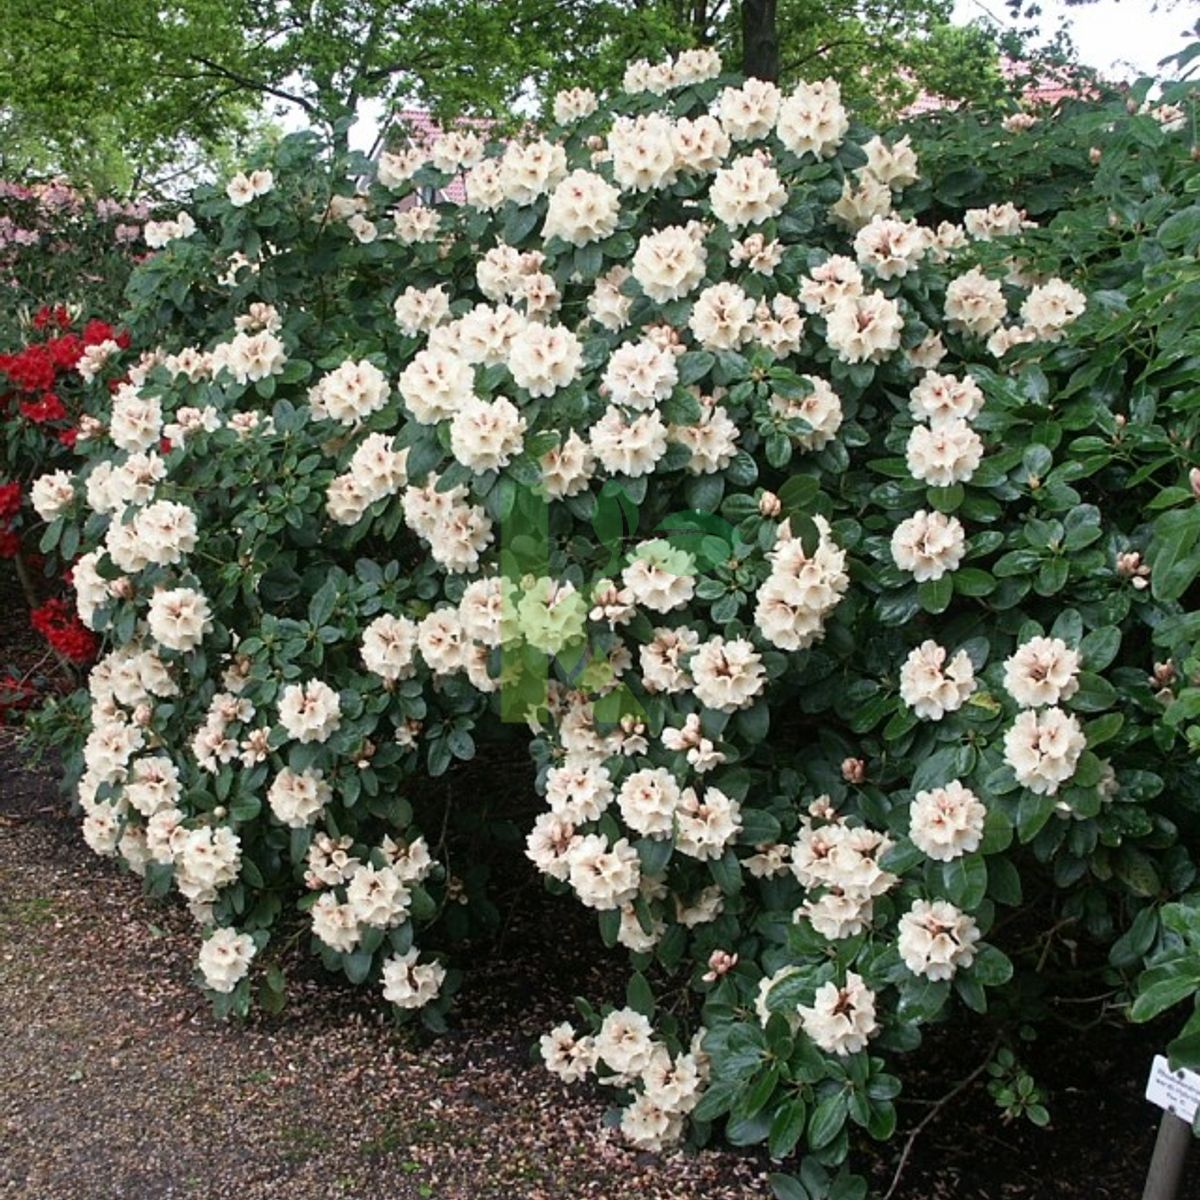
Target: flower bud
(1095,154)
(822,808)
(1129,565)
(720,963)
(769,505)
(1164,674)
(854,770)
(1194,480)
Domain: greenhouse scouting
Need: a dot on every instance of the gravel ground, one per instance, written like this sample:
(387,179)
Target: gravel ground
(117,1082)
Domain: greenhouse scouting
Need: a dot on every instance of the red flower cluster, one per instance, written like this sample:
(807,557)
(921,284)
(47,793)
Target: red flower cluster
(47,408)
(35,368)
(15,694)
(41,388)
(10,506)
(64,631)
(10,499)
(58,315)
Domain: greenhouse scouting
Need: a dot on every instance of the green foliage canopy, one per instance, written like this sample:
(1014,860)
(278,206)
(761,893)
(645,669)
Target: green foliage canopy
(94,88)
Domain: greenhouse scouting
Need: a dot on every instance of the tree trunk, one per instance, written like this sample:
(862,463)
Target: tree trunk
(760,39)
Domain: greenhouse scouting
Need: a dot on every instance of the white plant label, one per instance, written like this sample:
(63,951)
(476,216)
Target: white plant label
(1176,1091)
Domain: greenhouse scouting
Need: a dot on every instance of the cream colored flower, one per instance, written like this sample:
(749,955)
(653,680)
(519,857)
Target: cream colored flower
(409,984)
(722,317)
(701,144)
(812,119)
(974,303)
(544,358)
(895,165)
(932,686)
(727,675)
(946,822)
(626,447)
(942,398)
(486,435)
(52,494)
(179,618)
(297,798)
(573,105)
(841,1020)
(1043,749)
(928,544)
(821,410)
(748,113)
(584,207)
(640,374)
(310,712)
(942,454)
(660,577)
(225,958)
(890,247)
(669,264)
(643,152)
(748,192)
(865,328)
(936,939)
(1049,309)
(1042,671)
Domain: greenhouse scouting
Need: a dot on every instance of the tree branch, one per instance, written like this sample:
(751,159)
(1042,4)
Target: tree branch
(254,85)
(956,1090)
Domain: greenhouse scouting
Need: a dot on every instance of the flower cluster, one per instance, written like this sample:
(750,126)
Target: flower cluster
(665,1087)
(64,631)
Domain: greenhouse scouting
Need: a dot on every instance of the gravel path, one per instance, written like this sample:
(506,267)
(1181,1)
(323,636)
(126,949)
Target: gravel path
(115,1080)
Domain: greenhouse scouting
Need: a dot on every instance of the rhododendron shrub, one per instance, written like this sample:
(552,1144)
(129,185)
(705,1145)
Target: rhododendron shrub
(60,245)
(42,387)
(64,260)
(681,445)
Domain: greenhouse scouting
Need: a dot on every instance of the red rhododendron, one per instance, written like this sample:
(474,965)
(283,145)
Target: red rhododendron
(64,631)
(10,499)
(65,351)
(48,408)
(58,315)
(95,332)
(31,370)
(15,694)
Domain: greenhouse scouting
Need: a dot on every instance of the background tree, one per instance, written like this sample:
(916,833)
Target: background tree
(96,87)
(191,72)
